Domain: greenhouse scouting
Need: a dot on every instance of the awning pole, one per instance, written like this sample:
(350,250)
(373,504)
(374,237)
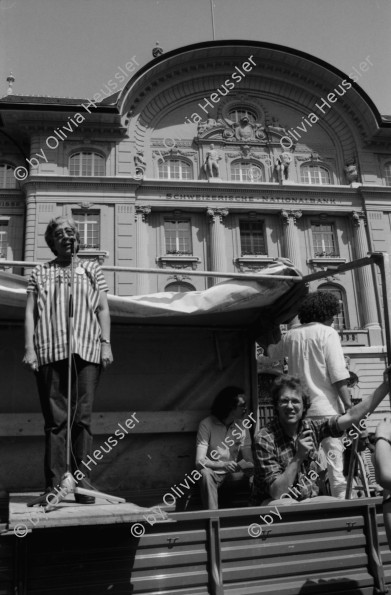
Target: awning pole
(243,276)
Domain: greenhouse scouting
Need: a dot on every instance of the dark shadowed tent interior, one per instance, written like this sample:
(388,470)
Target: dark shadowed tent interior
(173,352)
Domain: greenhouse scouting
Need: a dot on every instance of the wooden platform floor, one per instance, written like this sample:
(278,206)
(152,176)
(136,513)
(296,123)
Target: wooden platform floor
(24,519)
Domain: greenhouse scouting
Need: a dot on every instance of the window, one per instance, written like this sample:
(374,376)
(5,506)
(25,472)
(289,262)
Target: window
(7,178)
(245,171)
(88,225)
(314,174)
(179,287)
(3,238)
(175,169)
(87,164)
(177,233)
(387,174)
(238,113)
(323,239)
(252,240)
(340,319)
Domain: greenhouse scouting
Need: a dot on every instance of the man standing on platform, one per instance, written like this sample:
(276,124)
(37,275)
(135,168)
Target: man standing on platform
(46,348)
(315,355)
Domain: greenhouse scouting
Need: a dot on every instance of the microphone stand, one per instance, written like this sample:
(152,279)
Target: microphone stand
(68,482)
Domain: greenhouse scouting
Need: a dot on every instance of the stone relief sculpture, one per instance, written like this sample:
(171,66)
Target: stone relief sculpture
(211,164)
(282,166)
(276,127)
(140,164)
(351,172)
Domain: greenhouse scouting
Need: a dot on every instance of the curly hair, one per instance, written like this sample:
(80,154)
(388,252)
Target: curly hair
(318,306)
(225,401)
(52,226)
(292,382)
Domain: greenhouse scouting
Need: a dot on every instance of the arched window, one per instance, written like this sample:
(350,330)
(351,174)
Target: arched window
(7,178)
(387,173)
(340,320)
(238,113)
(245,171)
(175,169)
(87,164)
(314,174)
(179,287)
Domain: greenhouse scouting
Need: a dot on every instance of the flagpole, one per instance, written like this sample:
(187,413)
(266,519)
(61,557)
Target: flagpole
(213,19)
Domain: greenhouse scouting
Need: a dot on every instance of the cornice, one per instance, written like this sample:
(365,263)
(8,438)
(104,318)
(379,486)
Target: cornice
(81,183)
(204,186)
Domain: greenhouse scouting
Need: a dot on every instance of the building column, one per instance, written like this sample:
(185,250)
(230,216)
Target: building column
(367,296)
(142,280)
(291,237)
(217,241)
(31,221)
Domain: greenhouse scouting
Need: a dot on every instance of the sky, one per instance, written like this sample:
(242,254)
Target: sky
(71,48)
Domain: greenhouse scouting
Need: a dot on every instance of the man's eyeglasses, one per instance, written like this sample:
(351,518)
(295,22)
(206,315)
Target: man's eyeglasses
(287,402)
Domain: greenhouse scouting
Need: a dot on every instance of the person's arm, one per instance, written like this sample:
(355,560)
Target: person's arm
(360,411)
(336,367)
(106,356)
(383,455)
(30,357)
(285,480)
(203,461)
(247,454)
(344,393)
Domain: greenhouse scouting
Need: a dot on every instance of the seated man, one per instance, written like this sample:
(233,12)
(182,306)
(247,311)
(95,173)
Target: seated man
(222,440)
(286,460)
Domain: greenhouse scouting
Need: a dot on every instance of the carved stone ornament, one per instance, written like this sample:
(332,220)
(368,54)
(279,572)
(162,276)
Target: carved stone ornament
(211,165)
(282,165)
(178,262)
(351,172)
(85,205)
(357,217)
(157,50)
(140,164)
(233,132)
(294,215)
(216,214)
(179,278)
(142,210)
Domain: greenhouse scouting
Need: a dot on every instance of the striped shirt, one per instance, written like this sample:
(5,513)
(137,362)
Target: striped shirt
(50,283)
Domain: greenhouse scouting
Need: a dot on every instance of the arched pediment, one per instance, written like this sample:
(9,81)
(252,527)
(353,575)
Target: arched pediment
(281,74)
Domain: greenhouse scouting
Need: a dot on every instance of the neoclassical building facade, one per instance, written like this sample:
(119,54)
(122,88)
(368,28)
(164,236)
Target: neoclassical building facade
(219,156)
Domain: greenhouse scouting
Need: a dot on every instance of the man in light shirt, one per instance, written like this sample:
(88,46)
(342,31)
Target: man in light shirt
(224,445)
(315,355)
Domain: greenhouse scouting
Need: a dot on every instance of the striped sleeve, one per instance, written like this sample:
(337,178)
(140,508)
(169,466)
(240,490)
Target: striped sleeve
(100,280)
(32,282)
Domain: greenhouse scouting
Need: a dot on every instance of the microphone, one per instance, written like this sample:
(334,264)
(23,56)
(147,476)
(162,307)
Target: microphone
(72,240)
